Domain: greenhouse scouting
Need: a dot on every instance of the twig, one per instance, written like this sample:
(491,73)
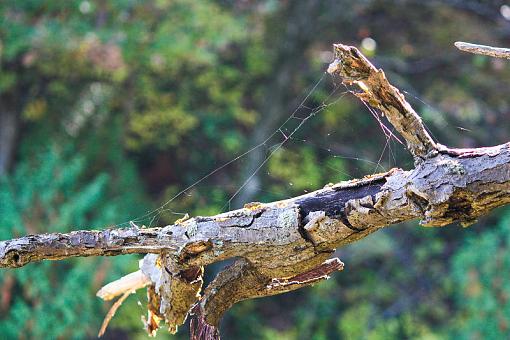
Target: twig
(496,52)
(112,311)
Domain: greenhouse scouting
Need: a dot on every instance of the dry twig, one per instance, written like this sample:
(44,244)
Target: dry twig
(112,311)
(496,52)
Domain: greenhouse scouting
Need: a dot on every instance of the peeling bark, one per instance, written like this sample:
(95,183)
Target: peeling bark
(285,245)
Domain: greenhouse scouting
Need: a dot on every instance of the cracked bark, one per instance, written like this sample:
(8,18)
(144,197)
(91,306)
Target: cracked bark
(286,245)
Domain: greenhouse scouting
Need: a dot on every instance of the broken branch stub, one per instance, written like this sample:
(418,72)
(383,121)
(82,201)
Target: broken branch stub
(286,245)
(354,68)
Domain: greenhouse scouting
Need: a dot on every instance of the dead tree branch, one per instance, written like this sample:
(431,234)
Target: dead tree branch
(496,52)
(285,245)
(354,68)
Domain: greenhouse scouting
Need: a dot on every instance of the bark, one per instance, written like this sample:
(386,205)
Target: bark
(286,245)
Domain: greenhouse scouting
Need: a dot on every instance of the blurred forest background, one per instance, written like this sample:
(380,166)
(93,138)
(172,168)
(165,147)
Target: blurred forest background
(110,108)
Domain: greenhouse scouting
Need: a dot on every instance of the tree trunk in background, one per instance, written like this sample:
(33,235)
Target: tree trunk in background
(9,122)
(273,110)
(298,34)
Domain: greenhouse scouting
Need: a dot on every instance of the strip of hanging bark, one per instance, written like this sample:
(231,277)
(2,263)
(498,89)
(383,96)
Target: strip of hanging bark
(286,244)
(496,52)
(354,68)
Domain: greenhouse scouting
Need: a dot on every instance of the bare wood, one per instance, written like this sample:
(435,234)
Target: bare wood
(285,245)
(354,68)
(128,283)
(174,290)
(496,52)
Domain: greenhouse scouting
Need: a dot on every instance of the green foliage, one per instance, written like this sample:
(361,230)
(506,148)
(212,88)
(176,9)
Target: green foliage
(123,104)
(52,191)
(284,163)
(163,127)
(360,322)
(481,286)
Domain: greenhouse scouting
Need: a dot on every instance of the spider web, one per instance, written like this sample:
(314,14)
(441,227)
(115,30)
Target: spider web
(286,133)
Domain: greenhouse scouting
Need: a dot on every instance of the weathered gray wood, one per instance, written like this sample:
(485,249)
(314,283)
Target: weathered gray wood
(496,52)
